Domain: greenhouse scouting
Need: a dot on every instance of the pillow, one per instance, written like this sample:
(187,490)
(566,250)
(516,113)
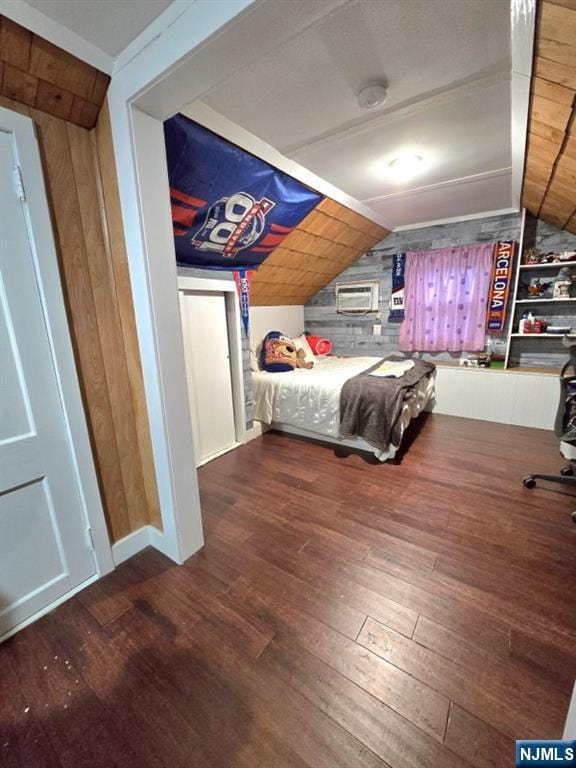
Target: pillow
(279,354)
(301,342)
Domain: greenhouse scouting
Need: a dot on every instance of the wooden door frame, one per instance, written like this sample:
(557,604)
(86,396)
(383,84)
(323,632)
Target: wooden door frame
(47,272)
(234,323)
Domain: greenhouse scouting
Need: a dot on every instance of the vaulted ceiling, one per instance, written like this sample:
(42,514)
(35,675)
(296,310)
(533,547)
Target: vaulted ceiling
(549,189)
(323,245)
(448,67)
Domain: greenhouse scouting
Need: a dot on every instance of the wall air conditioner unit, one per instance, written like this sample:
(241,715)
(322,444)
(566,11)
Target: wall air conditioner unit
(357,298)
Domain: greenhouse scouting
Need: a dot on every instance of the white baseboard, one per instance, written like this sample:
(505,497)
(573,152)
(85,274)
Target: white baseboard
(147,536)
(49,608)
(256,430)
(122,550)
(131,544)
(160,541)
(217,454)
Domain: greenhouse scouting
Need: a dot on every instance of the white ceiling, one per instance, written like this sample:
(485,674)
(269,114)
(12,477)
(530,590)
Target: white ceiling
(448,66)
(109,25)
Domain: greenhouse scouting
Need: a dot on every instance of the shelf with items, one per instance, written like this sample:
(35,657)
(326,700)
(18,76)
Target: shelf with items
(549,265)
(564,300)
(545,293)
(545,335)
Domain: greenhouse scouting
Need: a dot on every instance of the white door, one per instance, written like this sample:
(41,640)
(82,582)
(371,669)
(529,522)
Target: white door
(44,545)
(207,352)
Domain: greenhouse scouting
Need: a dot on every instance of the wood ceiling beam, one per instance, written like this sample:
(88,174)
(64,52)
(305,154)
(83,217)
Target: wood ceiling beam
(38,74)
(549,187)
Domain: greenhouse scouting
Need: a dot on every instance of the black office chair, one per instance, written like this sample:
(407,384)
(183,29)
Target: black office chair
(565,424)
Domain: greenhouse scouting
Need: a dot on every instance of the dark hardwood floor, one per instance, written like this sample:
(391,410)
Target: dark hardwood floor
(414,615)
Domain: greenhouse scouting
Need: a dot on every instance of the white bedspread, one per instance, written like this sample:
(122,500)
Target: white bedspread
(307,399)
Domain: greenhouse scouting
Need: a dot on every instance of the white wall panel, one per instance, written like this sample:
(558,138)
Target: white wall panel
(287,319)
(536,400)
(525,399)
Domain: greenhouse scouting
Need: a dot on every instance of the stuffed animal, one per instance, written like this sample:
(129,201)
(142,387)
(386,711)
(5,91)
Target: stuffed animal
(536,288)
(279,354)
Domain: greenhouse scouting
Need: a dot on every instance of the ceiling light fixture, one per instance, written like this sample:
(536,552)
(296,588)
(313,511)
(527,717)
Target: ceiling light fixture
(373,95)
(404,167)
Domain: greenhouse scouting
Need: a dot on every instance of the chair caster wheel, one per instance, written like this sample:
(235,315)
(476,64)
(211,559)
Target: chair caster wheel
(574,517)
(567,471)
(529,482)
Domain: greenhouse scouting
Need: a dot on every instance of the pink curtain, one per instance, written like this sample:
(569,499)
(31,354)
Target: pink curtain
(445,299)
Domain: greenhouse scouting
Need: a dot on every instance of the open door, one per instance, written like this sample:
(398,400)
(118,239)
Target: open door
(45,545)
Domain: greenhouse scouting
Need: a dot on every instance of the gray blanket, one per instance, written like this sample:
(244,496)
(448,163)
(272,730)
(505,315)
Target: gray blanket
(370,406)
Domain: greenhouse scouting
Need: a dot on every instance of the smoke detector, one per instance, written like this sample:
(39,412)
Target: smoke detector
(373,95)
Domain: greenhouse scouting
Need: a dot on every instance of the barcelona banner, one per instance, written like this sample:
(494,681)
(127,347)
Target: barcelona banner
(229,208)
(500,283)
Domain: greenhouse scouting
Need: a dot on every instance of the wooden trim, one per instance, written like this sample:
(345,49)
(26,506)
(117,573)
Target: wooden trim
(41,75)
(131,544)
(100,314)
(118,260)
(77,278)
(103,285)
(550,173)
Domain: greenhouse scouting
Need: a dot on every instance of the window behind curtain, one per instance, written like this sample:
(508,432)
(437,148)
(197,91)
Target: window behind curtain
(445,299)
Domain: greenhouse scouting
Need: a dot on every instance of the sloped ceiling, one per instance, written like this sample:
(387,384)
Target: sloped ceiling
(448,67)
(326,242)
(549,188)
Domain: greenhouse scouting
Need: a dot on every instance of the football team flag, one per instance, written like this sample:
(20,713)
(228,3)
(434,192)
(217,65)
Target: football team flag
(500,283)
(229,208)
(396,314)
(243,279)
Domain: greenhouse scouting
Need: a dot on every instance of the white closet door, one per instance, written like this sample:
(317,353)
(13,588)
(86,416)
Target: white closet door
(207,353)
(44,546)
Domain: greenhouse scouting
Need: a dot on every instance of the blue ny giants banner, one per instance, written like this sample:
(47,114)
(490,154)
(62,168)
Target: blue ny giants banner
(229,209)
(397,296)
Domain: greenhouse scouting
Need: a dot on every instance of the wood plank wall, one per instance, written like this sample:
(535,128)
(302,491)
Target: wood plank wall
(327,241)
(81,183)
(38,74)
(549,188)
(114,238)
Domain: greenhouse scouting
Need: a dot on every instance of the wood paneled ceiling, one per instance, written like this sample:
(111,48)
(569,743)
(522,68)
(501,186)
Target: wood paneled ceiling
(549,189)
(38,74)
(327,241)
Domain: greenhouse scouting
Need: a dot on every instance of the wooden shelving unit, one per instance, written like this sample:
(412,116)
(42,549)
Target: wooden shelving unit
(538,304)
(543,335)
(545,301)
(549,265)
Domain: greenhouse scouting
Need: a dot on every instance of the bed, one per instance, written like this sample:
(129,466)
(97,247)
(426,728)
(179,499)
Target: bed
(308,402)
